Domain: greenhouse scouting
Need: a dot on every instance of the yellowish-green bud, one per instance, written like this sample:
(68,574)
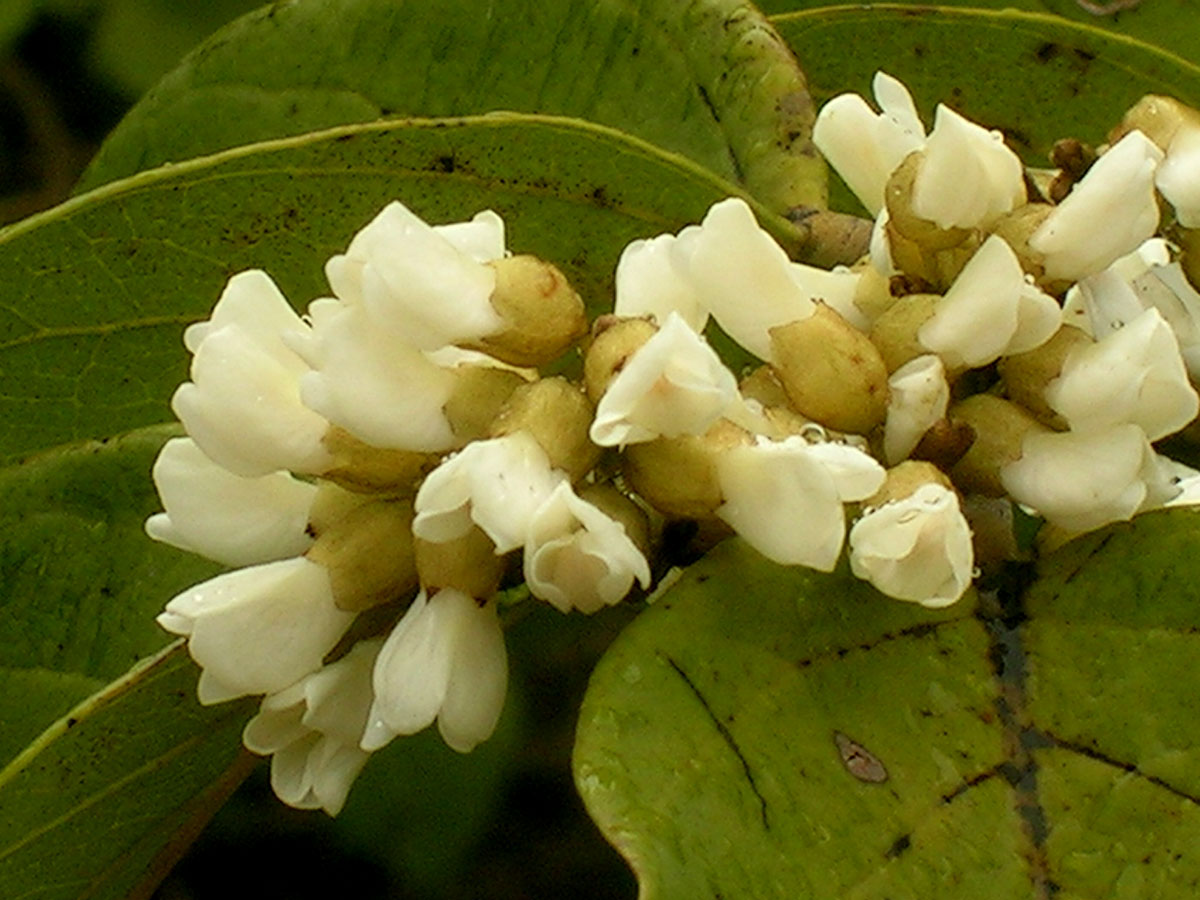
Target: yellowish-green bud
(894,333)
(480,393)
(614,340)
(678,476)
(543,314)
(944,444)
(938,268)
(831,371)
(1000,427)
(369,554)
(331,504)
(1189,259)
(872,295)
(468,564)
(357,466)
(897,196)
(1027,374)
(904,479)
(557,415)
(1158,118)
(1016,228)
(763,385)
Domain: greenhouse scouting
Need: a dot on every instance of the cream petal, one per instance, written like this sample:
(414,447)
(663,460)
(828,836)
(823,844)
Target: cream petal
(254,304)
(650,282)
(233,520)
(478,680)
(1178,178)
(918,397)
(481,238)
(1107,214)
(977,318)
(783,502)
(672,385)
(743,276)
(835,288)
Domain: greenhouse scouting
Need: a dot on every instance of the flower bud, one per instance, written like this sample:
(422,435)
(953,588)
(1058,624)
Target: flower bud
(369,555)
(831,371)
(542,314)
(479,395)
(678,476)
(1017,228)
(613,342)
(903,220)
(468,563)
(331,504)
(763,386)
(1000,427)
(557,414)
(894,333)
(904,479)
(1027,374)
(358,466)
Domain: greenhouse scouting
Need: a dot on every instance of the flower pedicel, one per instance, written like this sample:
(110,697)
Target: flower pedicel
(380,471)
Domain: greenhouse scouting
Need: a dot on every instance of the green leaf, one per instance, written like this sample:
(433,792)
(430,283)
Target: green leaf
(121,768)
(1037,78)
(101,287)
(704,78)
(1169,24)
(764,732)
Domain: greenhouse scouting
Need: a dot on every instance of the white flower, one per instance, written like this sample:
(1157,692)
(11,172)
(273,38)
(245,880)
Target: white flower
(576,556)
(968,177)
(990,310)
(497,484)
(918,548)
(865,147)
(651,282)
(257,630)
(233,520)
(1134,375)
(1107,215)
(415,283)
(1168,290)
(445,660)
(1178,177)
(743,276)
(312,731)
(918,396)
(785,497)
(1082,480)
(836,288)
(672,385)
(242,406)
(381,390)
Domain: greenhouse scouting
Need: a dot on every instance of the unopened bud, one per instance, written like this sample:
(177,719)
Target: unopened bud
(678,476)
(763,386)
(613,341)
(1158,118)
(1027,374)
(468,563)
(557,415)
(831,371)
(872,294)
(894,333)
(479,395)
(543,314)
(369,555)
(358,466)
(898,196)
(904,479)
(1000,426)
(331,504)
(1016,228)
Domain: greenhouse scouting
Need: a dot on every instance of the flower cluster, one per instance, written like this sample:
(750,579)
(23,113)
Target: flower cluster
(379,471)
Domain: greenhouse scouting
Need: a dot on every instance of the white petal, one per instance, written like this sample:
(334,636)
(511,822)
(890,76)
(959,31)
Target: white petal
(260,629)
(1107,215)
(501,481)
(835,288)
(233,520)
(384,392)
(1081,480)
(1179,176)
(1134,375)
(481,238)
(917,549)
(672,385)
(254,304)
(866,148)
(478,680)
(1038,319)
(577,557)
(918,396)
(977,318)
(784,502)
(243,408)
(1167,289)
(651,283)
(957,153)
(744,278)
(856,475)
(414,283)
